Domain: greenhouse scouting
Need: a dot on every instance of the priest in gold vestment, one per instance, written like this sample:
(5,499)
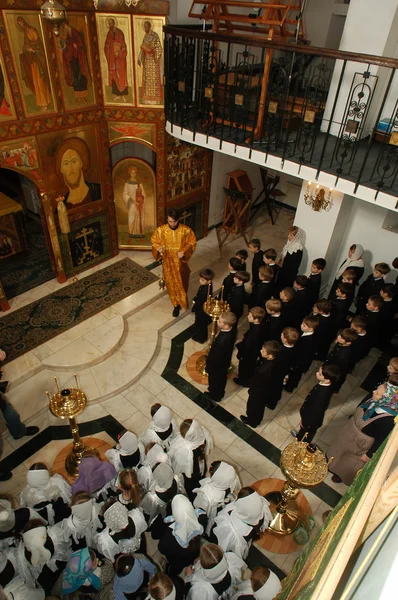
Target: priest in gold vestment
(174,244)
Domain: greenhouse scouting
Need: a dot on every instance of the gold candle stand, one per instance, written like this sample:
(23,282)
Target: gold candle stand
(68,404)
(213,308)
(304,466)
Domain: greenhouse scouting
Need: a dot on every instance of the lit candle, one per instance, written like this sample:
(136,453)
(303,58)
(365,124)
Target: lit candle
(57,384)
(222,292)
(208,291)
(77,385)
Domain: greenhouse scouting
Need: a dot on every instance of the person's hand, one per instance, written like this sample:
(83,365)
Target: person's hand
(189,571)
(365,458)
(181,255)
(160,250)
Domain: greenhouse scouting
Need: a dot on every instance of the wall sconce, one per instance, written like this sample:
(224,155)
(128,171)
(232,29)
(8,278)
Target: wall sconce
(128,3)
(319,198)
(54,13)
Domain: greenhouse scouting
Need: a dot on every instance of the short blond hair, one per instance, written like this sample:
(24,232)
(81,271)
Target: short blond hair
(229,318)
(273,306)
(257,312)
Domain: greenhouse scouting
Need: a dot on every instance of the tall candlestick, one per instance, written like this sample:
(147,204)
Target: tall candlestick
(208,291)
(222,292)
(57,384)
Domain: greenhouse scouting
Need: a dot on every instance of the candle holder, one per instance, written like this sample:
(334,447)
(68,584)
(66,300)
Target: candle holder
(212,307)
(68,404)
(304,466)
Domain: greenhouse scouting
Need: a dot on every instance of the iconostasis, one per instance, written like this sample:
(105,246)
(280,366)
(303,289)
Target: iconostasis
(81,116)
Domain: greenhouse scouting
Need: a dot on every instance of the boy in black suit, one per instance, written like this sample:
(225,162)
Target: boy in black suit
(387,313)
(202,320)
(301,305)
(242,255)
(228,283)
(237,296)
(255,249)
(373,317)
(315,280)
(341,355)
(287,300)
(249,347)
(312,412)
(263,291)
(269,258)
(272,326)
(283,364)
(325,332)
(362,346)
(371,286)
(218,360)
(341,304)
(305,352)
(261,385)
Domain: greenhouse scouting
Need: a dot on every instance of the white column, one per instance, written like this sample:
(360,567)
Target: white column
(370,28)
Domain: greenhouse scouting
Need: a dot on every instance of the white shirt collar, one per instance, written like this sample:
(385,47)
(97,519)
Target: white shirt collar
(307,333)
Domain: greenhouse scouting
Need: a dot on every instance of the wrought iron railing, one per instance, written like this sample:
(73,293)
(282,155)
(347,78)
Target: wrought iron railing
(312,106)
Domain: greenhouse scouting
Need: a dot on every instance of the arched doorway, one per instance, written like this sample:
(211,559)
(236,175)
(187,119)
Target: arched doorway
(25,261)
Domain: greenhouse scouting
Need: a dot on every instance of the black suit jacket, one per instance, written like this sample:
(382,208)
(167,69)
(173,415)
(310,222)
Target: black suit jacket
(220,354)
(201,297)
(324,335)
(236,300)
(256,264)
(313,410)
(262,378)
(228,284)
(261,293)
(305,352)
(370,287)
(288,314)
(313,288)
(341,356)
(301,307)
(250,346)
(340,312)
(272,328)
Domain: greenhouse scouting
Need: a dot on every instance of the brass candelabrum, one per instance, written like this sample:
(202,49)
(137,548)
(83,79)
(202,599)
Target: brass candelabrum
(212,307)
(68,404)
(304,466)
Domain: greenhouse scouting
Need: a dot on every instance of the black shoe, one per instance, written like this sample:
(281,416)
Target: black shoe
(246,421)
(5,475)
(176,310)
(29,431)
(209,397)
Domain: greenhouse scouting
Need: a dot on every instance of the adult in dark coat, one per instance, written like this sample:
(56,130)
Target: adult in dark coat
(261,388)
(291,257)
(312,412)
(249,347)
(219,358)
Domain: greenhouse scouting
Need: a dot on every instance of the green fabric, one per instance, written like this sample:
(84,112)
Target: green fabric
(38,322)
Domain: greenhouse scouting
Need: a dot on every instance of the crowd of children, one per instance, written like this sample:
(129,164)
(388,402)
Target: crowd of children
(291,325)
(89,540)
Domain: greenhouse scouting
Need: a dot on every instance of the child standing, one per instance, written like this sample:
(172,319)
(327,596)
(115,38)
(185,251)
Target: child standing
(202,320)
(249,347)
(301,304)
(242,255)
(255,249)
(269,258)
(325,332)
(305,352)
(287,303)
(387,312)
(228,283)
(341,354)
(237,296)
(371,286)
(312,412)
(315,280)
(341,304)
(273,323)
(261,385)
(263,291)
(362,345)
(373,318)
(283,364)
(219,358)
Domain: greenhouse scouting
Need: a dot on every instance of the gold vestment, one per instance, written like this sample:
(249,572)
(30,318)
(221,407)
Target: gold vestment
(175,270)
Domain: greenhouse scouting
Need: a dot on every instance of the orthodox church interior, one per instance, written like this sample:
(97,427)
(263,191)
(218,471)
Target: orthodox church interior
(247,118)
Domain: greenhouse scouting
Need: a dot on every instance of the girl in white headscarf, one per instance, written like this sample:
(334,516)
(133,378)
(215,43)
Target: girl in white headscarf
(80,528)
(291,257)
(241,521)
(12,523)
(42,554)
(128,453)
(217,490)
(154,455)
(188,454)
(180,540)
(215,575)
(164,486)
(162,429)
(262,585)
(48,495)
(123,532)
(353,261)
(12,585)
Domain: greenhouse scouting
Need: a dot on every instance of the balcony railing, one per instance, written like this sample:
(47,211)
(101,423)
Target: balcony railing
(334,111)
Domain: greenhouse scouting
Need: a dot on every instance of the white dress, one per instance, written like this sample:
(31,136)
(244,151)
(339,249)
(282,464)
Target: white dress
(231,532)
(135,216)
(16,589)
(72,530)
(109,548)
(201,588)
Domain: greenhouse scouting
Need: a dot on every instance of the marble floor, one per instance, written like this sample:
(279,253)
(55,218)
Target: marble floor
(133,354)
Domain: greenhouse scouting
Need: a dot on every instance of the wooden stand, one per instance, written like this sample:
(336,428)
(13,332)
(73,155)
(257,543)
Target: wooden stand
(237,206)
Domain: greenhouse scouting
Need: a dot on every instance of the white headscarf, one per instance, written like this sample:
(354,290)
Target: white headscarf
(7,516)
(225,477)
(270,589)
(34,541)
(128,443)
(155,455)
(252,509)
(181,450)
(162,419)
(218,572)
(41,487)
(184,520)
(82,513)
(163,477)
(294,245)
(116,517)
(354,261)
